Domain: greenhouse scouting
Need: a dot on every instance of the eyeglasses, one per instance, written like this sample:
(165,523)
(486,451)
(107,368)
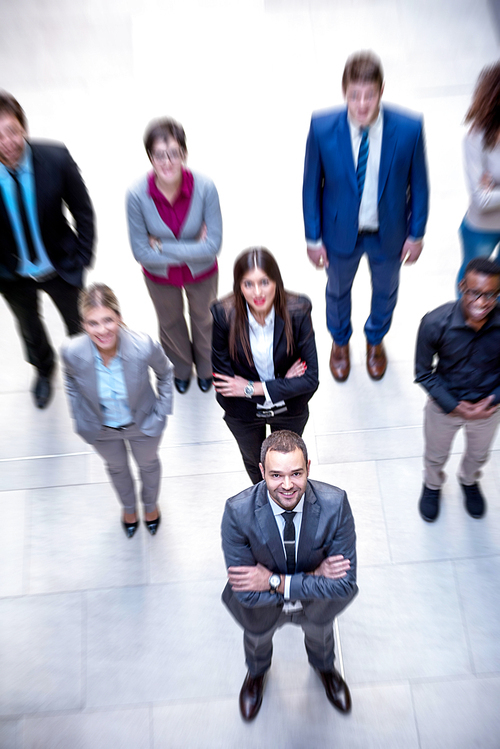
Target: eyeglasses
(174,156)
(474,295)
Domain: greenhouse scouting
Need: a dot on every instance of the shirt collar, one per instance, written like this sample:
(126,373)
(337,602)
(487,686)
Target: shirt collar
(183,192)
(277,510)
(25,164)
(458,319)
(374,129)
(98,357)
(268,322)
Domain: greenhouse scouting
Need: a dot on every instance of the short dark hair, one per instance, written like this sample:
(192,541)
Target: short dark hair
(283,441)
(482,265)
(9,105)
(363,67)
(163,129)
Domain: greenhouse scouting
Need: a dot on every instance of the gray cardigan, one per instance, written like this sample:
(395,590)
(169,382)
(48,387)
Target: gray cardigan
(144,221)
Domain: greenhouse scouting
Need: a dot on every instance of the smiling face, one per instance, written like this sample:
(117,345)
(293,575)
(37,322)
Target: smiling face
(259,291)
(363,102)
(102,325)
(12,140)
(167,158)
(286,475)
(479,297)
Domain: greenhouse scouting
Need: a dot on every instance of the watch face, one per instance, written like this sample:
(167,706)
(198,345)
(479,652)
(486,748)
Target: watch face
(274,581)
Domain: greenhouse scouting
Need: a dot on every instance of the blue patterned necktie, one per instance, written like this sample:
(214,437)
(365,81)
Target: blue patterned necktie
(364,148)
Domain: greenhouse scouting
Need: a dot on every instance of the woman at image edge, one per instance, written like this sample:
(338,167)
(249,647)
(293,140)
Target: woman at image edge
(175,230)
(263,354)
(480,229)
(106,373)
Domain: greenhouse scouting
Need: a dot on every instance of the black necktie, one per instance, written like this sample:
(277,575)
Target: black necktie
(24,218)
(289,539)
(364,148)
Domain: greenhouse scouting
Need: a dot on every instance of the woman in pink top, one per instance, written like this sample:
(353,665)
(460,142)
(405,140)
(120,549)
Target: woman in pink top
(175,229)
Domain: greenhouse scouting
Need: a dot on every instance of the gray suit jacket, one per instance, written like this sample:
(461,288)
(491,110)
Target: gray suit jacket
(145,221)
(250,535)
(139,352)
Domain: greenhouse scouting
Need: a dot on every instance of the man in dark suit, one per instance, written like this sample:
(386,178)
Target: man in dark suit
(39,249)
(365,192)
(290,551)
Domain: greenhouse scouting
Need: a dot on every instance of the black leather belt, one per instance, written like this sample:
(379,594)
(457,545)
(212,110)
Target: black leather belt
(119,429)
(264,413)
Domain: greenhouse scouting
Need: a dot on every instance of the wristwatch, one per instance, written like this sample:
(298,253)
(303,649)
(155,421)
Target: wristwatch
(249,389)
(274,582)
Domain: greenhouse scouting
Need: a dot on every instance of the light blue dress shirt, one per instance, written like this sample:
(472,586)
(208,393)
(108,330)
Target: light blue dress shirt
(26,177)
(112,391)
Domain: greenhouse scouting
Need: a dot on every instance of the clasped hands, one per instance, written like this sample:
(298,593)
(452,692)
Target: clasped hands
(256,578)
(234,386)
(480,410)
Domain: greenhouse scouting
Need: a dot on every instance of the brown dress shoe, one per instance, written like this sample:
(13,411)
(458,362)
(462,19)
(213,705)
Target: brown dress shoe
(376,360)
(251,696)
(336,690)
(340,364)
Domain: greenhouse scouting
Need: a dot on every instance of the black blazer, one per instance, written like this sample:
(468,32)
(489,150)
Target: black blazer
(295,391)
(250,535)
(58,183)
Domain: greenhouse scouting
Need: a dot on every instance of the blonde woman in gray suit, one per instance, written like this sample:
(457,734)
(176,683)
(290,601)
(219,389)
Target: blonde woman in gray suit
(106,372)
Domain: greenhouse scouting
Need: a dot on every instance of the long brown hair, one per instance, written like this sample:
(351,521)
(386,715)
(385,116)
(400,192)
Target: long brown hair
(235,304)
(484,111)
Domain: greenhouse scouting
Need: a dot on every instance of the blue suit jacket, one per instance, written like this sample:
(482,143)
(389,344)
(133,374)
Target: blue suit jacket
(330,192)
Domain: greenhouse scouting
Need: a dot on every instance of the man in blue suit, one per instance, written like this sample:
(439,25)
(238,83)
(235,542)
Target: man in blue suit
(365,192)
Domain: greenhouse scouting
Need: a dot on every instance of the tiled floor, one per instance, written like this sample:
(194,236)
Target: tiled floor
(106,642)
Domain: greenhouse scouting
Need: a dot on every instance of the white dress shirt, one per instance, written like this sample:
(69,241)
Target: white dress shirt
(368,210)
(290,606)
(261,345)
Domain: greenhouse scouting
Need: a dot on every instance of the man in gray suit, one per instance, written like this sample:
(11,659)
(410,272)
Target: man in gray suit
(290,551)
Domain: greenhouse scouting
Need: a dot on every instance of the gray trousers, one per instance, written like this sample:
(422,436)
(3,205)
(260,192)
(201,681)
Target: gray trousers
(112,446)
(318,639)
(174,335)
(439,432)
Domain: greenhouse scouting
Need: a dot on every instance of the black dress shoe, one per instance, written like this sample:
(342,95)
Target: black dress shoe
(474,500)
(42,391)
(336,690)
(204,385)
(153,525)
(251,696)
(181,385)
(130,528)
(429,503)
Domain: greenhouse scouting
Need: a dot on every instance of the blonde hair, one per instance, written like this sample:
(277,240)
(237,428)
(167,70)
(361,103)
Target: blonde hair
(97,295)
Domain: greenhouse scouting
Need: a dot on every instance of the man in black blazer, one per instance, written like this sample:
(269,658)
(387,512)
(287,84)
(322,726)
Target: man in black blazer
(290,551)
(39,249)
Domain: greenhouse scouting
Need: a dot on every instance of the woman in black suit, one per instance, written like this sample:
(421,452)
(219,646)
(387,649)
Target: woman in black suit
(263,355)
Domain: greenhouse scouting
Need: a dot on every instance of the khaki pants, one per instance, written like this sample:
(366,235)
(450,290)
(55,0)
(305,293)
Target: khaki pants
(174,334)
(439,431)
(112,446)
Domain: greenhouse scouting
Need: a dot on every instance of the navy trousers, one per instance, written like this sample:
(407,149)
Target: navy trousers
(385,283)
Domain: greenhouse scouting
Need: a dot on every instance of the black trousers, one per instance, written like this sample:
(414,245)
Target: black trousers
(251,434)
(22,296)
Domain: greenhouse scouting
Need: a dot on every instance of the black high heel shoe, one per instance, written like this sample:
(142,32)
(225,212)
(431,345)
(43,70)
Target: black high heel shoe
(130,528)
(153,525)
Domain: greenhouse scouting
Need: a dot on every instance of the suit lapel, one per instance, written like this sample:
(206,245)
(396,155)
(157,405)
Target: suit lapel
(389,139)
(87,372)
(345,150)
(130,373)
(308,528)
(269,529)
(41,177)
(279,332)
